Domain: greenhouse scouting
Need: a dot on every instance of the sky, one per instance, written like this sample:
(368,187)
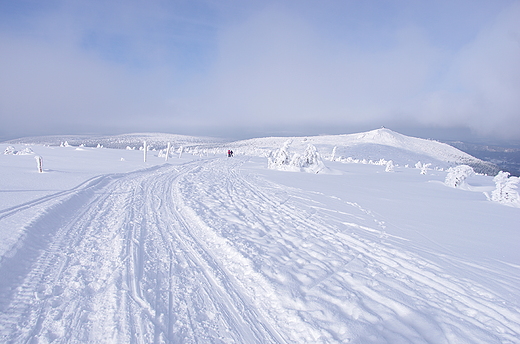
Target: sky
(447,69)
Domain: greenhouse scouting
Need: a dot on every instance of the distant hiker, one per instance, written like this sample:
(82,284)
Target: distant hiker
(229,153)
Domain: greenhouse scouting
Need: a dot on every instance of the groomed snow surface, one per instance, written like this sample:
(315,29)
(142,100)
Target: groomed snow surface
(105,248)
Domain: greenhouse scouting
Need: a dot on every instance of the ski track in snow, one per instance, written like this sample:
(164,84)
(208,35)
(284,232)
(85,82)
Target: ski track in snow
(206,253)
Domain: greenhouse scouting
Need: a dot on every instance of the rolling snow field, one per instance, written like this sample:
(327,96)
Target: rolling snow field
(103,247)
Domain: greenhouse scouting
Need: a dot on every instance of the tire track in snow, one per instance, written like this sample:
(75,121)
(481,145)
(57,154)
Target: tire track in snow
(204,286)
(34,284)
(122,263)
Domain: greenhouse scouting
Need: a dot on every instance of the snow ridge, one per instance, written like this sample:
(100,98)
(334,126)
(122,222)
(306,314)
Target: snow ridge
(372,145)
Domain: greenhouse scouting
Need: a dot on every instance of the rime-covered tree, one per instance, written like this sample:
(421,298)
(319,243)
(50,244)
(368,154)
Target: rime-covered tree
(456,176)
(506,190)
(280,158)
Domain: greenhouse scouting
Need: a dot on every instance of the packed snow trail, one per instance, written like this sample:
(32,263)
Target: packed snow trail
(207,253)
(123,267)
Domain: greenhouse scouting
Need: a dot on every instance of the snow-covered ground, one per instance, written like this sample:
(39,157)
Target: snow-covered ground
(106,248)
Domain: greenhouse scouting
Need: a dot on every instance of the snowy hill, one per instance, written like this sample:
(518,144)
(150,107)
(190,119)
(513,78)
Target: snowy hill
(104,247)
(373,146)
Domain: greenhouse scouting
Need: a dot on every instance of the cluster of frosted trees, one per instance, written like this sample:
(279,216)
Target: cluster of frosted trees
(506,186)
(310,161)
(10,150)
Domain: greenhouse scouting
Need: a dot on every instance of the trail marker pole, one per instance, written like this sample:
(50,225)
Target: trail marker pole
(168,151)
(39,162)
(145,148)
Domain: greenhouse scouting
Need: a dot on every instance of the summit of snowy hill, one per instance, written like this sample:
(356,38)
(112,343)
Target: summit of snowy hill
(383,136)
(375,145)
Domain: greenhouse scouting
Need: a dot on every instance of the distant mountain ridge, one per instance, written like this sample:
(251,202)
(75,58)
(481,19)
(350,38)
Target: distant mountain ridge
(371,145)
(133,140)
(506,157)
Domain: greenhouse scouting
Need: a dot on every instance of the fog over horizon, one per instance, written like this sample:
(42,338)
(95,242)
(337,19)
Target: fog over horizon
(444,70)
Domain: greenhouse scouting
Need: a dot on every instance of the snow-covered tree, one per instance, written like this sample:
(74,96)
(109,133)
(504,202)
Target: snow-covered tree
(25,151)
(456,176)
(389,166)
(310,161)
(506,190)
(280,159)
(10,150)
(425,168)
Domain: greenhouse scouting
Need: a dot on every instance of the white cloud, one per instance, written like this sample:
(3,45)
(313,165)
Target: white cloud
(53,84)
(275,67)
(482,88)
(172,66)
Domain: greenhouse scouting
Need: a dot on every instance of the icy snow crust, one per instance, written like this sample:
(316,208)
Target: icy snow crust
(105,248)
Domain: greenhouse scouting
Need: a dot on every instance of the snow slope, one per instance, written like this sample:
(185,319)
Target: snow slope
(103,247)
(372,145)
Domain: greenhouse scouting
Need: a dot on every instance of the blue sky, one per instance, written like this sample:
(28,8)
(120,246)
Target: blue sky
(444,69)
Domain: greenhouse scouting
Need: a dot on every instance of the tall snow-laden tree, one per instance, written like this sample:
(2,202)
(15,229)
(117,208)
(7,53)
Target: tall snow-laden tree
(456,176)
(280,158)
(506,189)
(310,161)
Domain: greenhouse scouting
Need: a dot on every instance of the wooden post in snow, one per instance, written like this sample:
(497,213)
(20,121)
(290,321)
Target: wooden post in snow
(168,151)
(39,162)
(145,148)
